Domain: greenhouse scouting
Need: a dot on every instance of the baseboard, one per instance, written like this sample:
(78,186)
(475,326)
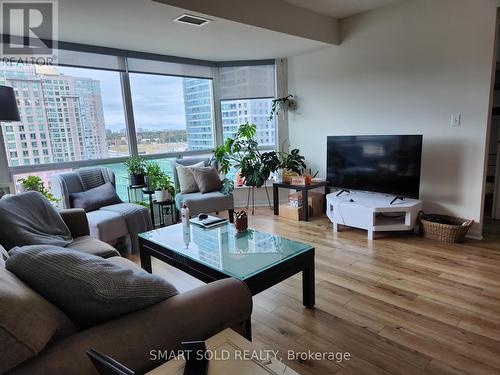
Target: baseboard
(474,235)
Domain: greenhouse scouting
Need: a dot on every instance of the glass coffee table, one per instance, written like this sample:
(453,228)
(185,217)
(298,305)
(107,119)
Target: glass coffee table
(259,259)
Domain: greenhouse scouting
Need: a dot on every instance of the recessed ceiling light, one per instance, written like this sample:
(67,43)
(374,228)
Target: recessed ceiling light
(192,20)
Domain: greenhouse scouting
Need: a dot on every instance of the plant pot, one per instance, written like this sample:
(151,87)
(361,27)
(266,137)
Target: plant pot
(279,175)
(22,189)
(148,181)
(240,181)
(137,179)
(162,195)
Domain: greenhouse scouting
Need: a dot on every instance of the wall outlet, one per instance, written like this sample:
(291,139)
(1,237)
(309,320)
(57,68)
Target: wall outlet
(455,119)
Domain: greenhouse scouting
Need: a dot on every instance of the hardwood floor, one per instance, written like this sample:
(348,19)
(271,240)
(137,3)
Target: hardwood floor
(399,305)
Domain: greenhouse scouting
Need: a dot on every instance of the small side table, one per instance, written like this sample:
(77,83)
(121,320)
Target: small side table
(166,208)
(150,194)
(302,188)
(133,187)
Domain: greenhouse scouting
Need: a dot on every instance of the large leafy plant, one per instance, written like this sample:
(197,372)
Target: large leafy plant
(136,165)
(242,152)
(292,161)
(163,182)
(35,183)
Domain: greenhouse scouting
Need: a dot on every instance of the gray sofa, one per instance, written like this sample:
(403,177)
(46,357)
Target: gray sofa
(41,339)
(201,203)
(108,223)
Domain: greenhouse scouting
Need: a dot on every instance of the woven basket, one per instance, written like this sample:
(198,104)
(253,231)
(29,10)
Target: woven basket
(449,233)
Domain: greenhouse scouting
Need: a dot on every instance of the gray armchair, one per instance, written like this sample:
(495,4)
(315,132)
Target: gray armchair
(108,223)
(202,203)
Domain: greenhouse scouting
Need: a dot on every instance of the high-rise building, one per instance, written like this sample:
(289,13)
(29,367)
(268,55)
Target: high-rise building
(254,111)
(62,117)
(198,100)
(28,141)
(241,81)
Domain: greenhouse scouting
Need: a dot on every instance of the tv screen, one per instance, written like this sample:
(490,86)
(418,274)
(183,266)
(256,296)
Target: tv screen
(379,163)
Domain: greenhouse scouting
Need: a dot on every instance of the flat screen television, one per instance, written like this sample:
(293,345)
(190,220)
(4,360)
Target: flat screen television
(379,163)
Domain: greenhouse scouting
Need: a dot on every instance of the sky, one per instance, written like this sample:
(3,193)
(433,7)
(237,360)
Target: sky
(157,101)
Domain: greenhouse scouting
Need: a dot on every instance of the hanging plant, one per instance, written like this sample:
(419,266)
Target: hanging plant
(282,104)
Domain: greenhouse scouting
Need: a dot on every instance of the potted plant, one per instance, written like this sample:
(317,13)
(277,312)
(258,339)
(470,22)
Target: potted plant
(35,183)
(243,153)
(291,163)
(282,104)
(164,190)
(136,166)
(151,170)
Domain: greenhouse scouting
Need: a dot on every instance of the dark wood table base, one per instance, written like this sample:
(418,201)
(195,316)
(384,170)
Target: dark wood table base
(257,283)
(302,188)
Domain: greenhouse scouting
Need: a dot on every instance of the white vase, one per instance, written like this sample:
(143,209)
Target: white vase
(162,195)
(279,175)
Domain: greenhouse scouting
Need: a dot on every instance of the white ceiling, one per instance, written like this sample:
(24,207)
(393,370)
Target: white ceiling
(341,8)
(147,26)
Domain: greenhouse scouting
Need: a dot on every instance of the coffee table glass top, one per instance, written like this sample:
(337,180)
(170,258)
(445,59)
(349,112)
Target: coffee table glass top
(221,248)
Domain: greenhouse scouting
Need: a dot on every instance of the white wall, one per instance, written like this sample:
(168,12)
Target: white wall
(404,69)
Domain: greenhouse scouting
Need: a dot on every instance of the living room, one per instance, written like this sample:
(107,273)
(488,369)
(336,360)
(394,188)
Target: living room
(282,186)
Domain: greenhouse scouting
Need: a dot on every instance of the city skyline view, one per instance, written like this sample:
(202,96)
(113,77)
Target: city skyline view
(71,114)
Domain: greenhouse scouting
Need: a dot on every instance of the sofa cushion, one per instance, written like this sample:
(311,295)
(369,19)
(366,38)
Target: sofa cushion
(95,290)
(27,321)
(124,263)
(187,183)
(93,246)
(207,179)
(28,219)
(106,225)
(136,216)
(205,203)
(95,198)
(91,178)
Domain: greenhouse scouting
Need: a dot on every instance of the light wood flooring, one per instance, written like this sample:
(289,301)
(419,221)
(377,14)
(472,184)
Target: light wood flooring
(399,305)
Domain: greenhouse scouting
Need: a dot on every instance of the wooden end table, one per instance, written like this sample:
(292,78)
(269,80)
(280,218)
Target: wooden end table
(302,188)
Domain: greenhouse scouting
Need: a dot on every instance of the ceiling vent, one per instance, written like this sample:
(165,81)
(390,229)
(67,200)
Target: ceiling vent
(192,20)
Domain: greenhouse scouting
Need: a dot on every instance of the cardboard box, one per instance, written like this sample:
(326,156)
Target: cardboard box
(316,202)
(294,213)
(295,200)
(300,180)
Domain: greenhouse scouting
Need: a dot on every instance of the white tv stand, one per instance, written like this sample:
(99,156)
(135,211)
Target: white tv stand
(372,211)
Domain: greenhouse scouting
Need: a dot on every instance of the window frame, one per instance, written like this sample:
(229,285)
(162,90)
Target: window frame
(170,154)
(122,56)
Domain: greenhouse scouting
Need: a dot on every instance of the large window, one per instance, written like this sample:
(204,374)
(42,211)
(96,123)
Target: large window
(172,114)
(255,111)
(246,96)
(80,113)
(67,115)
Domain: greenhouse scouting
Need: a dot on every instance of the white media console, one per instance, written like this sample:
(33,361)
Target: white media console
(372,211)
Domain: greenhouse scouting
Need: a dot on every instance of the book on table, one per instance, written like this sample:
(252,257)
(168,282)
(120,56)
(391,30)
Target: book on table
(209,222)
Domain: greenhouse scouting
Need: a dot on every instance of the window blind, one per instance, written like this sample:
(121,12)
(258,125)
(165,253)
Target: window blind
(247,82)
(169,68)
(90,60)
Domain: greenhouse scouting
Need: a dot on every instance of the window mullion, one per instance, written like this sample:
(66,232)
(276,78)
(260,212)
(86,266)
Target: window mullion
(129,111)
(218,128)
(281,77)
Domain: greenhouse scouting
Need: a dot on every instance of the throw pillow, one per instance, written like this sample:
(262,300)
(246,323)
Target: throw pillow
(93,199)
(27,322)
(28,219)
(88,288)
(207,179)
(187,183)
